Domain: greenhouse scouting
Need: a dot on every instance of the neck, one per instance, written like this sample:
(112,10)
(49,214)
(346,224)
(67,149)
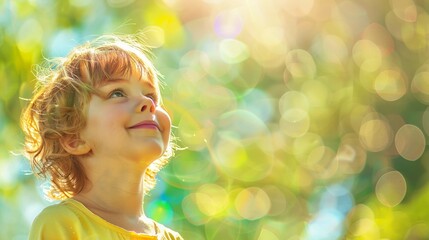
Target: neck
(117,192)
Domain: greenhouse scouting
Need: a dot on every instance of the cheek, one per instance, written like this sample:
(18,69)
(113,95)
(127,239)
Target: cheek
(165,122)
(99,119)
(105,120)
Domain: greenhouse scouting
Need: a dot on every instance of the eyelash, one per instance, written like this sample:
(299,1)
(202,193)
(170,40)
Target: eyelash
(152,96)
(110,95)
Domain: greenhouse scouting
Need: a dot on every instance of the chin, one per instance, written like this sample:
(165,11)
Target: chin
(152,153)
(145,160)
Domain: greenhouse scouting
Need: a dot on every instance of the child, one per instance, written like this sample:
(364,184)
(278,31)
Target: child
(97,130)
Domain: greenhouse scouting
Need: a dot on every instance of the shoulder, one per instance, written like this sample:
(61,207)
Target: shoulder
(61,212)
(59,208)
(166,233)
(55,222)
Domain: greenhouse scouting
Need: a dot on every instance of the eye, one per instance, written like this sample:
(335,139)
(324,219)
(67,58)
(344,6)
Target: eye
(116,93)
(153,96)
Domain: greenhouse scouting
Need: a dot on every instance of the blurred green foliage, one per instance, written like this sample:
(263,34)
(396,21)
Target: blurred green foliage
(301,119)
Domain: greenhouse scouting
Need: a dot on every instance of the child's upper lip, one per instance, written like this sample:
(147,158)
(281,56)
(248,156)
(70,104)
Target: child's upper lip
(145,123)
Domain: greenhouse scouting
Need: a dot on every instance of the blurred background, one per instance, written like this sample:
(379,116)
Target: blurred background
(301,119)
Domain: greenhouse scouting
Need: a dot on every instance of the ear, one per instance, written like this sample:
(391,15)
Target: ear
(74,145)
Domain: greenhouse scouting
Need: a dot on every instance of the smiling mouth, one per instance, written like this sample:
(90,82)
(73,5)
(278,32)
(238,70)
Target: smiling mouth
(145,125)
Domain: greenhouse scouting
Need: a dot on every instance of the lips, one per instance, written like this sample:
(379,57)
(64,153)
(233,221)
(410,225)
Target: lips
(146,125)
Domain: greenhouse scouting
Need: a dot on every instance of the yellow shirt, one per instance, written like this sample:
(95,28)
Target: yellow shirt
(71,220)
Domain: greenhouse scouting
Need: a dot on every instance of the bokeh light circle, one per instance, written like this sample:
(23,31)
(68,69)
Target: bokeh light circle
(278,203)
(303,145)
(365,228)
(300,64)
(375,135)
(119,3)
(233,51)
(360,211)
(192,133)
(331,48)
(367,55)
(218,99)
(295,122)
(187,171)
(404,9)
(410,32)
(391,188)
(298,8)
(390,85)
(160,210)
(293,99)
(316,94)
(224,229)
(259,103)
(379,35)
(241,123)
(418,231)
(394,25)
(425,121)
(266,234)
(361,222)
(154,36)
(252,203)
(351,156)
(212,199)
(30,35)
(357,115)
(191,211)
(322,162)
(228,24)
(232,155)
(326,224)
(420,86)
(410,142)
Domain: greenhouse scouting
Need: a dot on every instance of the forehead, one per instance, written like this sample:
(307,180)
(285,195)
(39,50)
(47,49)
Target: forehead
(126,79)
(133,74)
(112,64)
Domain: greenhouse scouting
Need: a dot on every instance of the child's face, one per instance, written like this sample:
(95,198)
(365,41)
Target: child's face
(125,121)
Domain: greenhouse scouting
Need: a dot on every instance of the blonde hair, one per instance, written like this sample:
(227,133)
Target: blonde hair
(58,108)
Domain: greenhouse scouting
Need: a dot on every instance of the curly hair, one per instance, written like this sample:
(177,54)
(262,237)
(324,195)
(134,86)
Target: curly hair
(59,106)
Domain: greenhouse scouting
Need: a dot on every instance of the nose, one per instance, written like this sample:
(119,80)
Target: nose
(146,104)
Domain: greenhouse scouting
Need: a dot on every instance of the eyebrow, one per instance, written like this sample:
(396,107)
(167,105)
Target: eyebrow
(108,81)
